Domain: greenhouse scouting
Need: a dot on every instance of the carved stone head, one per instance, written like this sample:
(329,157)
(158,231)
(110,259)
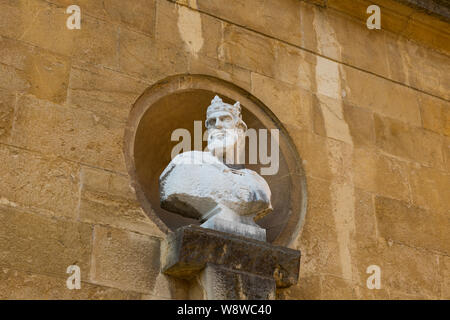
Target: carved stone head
(226,129)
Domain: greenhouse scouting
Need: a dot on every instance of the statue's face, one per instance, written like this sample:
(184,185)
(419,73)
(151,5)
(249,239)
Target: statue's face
(223,133)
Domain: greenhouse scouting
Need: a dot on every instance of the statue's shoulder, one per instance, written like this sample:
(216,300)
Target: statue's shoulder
(191,160)
(257,180)
(251,173)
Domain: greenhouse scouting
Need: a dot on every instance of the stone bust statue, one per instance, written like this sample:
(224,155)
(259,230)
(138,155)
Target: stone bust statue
(204,186)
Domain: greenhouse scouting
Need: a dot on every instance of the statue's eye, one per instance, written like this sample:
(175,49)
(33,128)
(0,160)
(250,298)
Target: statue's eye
(211,122)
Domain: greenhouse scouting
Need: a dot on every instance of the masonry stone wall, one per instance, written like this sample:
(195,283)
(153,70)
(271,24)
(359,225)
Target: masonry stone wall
(368,110)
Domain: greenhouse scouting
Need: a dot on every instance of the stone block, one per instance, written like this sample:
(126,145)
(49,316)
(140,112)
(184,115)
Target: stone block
(107,183)
(328,78)
(382,96)
(10,14)
(291,104)
(308,32)
(365,219)
(411,271)
(125,260)
(14,53)
(108,199)
(360,124)
(97,43)
(18,285)
(313,151)
(398,68)
(138,15)
(33,243)
(400,139)
(295,66)
(188,29)
(365,293)
(318,241)
(418,29)
(379,174)
(166,27)
(46,73)
(308,288)
(430,188)
(340,159)
(220,283)
(92,8)
(418,66)
(104,91)
(260,16)
(435,114)
(167,287)
(239,46)
(444,270)
(446,152)
(220,69)
(439,63)
(413,226)
(13,80)
(189,249)
(397,18)
(73,133)
(336,288)
(43,183)
(358,46)
(401,295)
(7,105)
(44,25)
(148,60)
(329,120)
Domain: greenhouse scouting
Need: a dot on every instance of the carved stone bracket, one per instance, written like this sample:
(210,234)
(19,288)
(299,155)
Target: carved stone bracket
(228,266)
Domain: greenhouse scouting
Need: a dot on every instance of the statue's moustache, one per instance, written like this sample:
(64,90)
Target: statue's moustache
(218,133)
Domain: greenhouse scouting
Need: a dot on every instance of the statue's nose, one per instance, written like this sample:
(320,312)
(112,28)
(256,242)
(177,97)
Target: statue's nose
(219,124)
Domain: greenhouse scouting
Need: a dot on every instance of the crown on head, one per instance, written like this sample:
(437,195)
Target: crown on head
(218,105)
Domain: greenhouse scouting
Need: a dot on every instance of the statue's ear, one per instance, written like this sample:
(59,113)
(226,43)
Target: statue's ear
(242,126)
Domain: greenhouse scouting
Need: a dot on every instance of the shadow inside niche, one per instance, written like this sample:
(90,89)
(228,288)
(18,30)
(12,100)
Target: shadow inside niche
(153,147)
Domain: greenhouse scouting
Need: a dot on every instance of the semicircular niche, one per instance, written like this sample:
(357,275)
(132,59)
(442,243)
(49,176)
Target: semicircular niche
(176,103)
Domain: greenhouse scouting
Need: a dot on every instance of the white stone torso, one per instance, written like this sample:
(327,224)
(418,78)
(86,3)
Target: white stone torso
(194,183)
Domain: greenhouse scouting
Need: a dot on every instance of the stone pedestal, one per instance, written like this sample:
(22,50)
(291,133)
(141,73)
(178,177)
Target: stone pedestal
(227,266)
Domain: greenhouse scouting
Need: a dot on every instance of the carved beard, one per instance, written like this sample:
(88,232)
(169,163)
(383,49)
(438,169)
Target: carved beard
(222,142)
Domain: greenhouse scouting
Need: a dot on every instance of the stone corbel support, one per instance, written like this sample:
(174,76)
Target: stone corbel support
(228,266)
